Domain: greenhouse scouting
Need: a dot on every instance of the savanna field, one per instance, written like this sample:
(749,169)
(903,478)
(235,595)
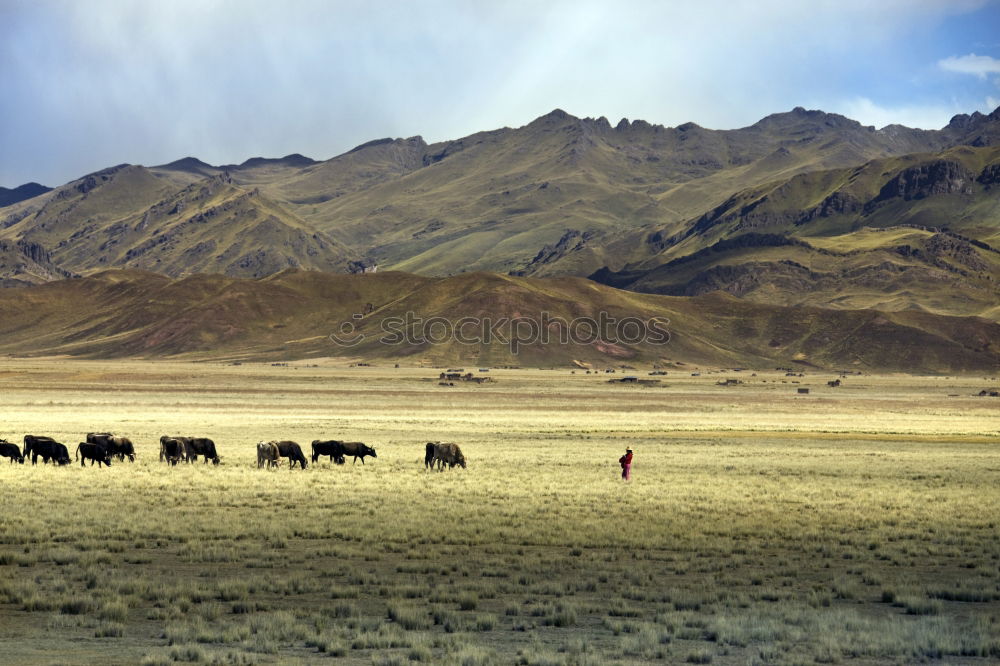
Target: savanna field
(854,524)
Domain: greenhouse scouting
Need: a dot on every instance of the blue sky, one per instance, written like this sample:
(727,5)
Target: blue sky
(91,84)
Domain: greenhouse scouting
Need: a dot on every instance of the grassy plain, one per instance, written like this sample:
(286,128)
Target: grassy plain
(855,524)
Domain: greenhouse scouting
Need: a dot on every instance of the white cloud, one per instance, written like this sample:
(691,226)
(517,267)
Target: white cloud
(976,65)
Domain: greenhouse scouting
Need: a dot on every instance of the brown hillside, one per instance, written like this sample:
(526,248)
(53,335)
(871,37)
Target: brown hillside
(291,315)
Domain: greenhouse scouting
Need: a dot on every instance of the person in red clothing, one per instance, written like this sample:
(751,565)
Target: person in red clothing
(626,462)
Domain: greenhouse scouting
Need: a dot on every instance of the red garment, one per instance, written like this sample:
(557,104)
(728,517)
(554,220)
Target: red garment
(625,459)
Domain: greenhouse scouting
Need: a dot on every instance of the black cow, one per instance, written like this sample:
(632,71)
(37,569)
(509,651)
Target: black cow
(11,451)
(47,448)
(120,447)
(171,449)
(94,452)
(429,455)
(332,448)
(448,454)
(183,441)
(200,446)
(358,450)
(293,452)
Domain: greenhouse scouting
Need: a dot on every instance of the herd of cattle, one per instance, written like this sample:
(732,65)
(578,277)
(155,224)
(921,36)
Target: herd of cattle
(101,447)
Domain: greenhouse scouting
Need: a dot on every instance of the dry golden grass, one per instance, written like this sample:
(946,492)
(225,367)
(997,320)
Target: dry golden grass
(761,526)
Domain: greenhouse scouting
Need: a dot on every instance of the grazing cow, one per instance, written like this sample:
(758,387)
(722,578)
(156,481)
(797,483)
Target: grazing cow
(200,446)
(268,454)
(11,451)
(47,448)
(332,448)
(95,452)
(164,438)
(172,449)
(293,452)
(123,448)
(120,447)
(429,454)
(448,454)
(358,450)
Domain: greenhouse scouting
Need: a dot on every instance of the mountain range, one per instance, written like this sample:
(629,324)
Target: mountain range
(803,208)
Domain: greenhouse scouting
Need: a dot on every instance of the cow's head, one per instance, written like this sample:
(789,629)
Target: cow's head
(216,460)
(370,451)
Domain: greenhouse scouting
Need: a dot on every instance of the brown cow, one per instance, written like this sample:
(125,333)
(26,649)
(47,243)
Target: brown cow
(268,454)
(449,454)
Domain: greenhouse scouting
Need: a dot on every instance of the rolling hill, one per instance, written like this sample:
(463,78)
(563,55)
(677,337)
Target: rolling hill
(291,314)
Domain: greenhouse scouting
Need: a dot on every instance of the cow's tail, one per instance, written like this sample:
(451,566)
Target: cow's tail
(77,455)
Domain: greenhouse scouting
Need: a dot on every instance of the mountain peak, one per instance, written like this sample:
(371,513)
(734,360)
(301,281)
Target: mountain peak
(554,117)
(417,141)
(966,121)
(297,159)
(293,160)
(186,164)
(800,115)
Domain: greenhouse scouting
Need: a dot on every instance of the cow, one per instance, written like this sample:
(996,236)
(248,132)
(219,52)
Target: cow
(47,448)
(358,450)
(11,451)
(268,454)
(95,452)
(293,452)
(429,455)
(171,449)
(164,438)
(200,446)
(448,454)
(120,447)
(332,448)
